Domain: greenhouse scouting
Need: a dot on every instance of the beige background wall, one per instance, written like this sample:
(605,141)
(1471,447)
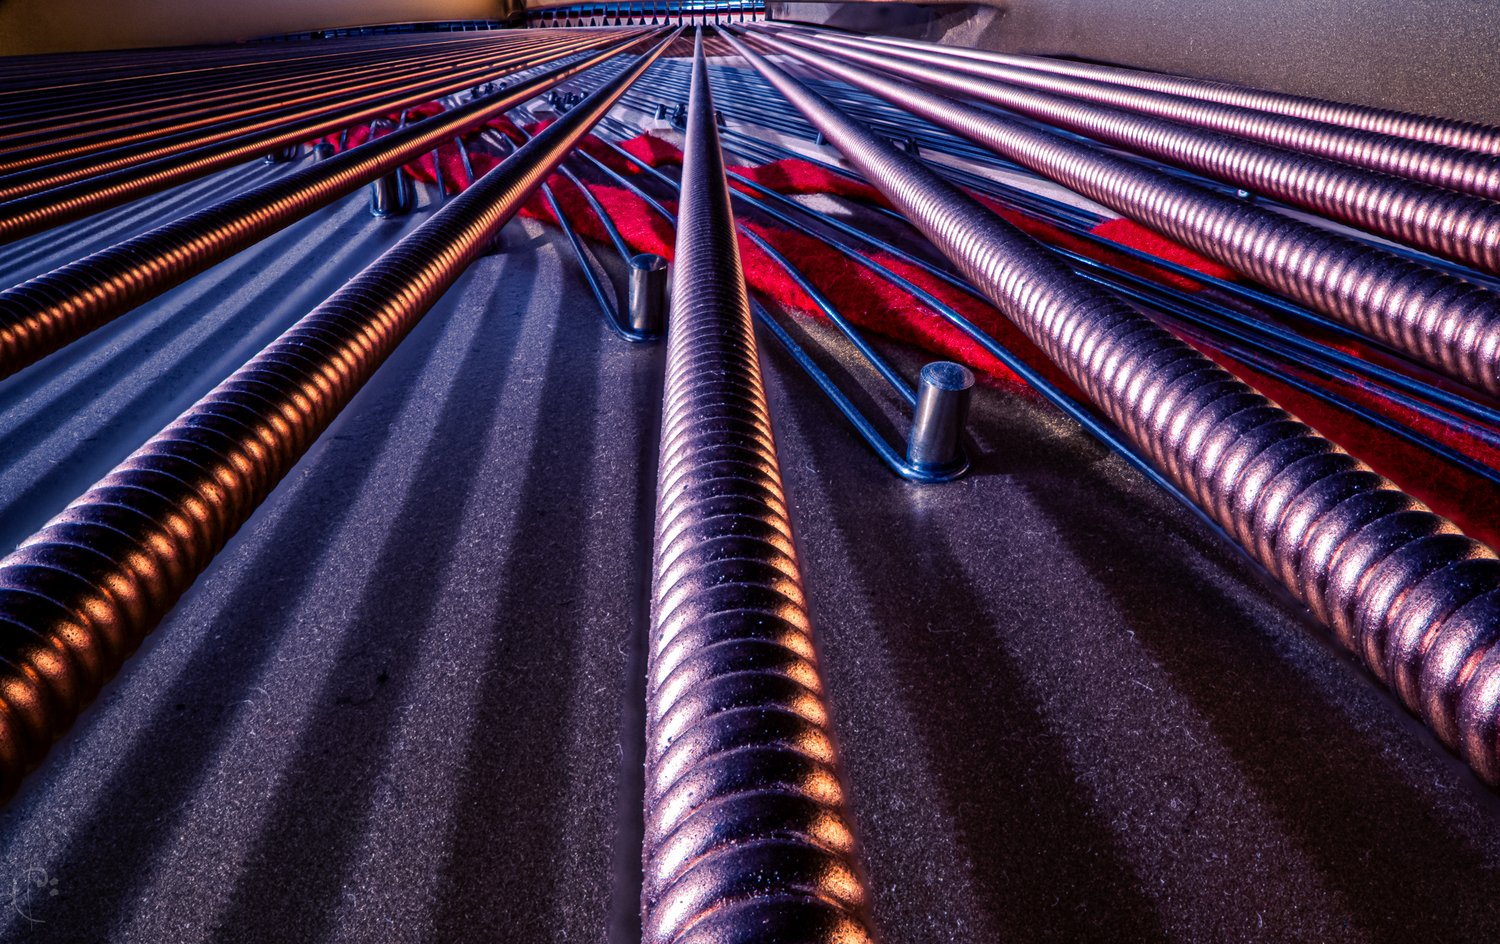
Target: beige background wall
(31,26)
(1422,55)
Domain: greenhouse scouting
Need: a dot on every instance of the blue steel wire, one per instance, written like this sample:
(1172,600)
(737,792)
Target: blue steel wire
(1082,264)
(1453,402)
(878,112)
(1409,385)
(1390,425)
(1166,303)
(437,178)
(900,125)
(607,305)
(845,95)
(1309,353)
(1288,346)
(850,331)
(1079,223)
(615,237)
(1380,420)
(867,431)
(792,124)
(610,229)
(1244,292)
(897,382)
(1050,392)
(862,425)
(463,154)
(940,141)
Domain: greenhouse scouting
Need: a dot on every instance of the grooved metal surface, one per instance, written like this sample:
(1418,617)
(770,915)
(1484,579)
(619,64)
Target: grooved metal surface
(1400,586)
(78,596)
(747,837)
(1447,323)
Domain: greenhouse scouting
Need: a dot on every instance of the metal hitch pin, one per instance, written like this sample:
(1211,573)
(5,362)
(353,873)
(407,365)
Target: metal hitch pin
(388,195)
(942,410)
(284,155)
(648,293)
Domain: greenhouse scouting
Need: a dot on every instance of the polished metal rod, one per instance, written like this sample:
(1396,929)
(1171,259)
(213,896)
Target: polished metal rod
(648,294)
(1400,586)
(937,424)
(1184,308)
(77,597)
(1431,401)
(747,834)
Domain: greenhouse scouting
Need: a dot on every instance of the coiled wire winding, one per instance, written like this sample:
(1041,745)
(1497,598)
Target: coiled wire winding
(747,837)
